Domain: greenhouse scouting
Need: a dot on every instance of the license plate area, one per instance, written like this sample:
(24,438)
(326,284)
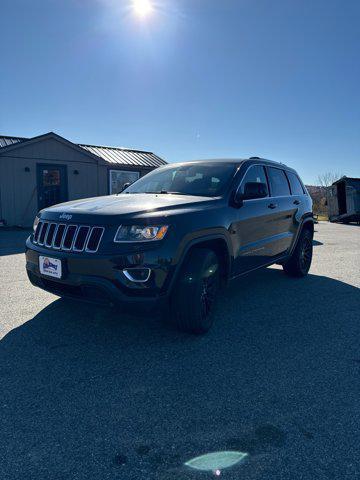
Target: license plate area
(51,267)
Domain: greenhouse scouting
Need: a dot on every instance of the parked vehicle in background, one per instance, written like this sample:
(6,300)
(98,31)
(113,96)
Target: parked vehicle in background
(175,237)
(343,200)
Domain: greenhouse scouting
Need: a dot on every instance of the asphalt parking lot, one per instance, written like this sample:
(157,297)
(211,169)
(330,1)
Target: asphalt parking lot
(90,394)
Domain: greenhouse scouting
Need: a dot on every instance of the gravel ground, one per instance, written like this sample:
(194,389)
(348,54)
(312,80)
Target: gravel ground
(88,394)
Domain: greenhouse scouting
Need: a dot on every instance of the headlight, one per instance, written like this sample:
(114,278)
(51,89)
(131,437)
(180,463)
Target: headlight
(139,233)
(35,224)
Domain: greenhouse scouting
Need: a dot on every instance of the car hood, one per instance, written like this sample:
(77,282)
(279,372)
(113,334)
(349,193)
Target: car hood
(130,204)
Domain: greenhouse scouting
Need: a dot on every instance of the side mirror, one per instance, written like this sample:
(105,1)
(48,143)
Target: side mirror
(252,190)
(126,185)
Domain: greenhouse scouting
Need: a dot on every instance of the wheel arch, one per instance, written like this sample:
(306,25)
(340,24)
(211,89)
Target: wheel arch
(219,243)
(307,223)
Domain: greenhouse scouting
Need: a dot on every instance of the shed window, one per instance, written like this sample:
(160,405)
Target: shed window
(118,178)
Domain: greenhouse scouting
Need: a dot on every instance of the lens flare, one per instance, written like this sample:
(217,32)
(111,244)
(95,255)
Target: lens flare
(142,8)
(216,461)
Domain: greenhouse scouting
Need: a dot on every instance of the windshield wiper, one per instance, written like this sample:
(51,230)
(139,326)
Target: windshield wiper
(160,191)
(166,192)
(127,193)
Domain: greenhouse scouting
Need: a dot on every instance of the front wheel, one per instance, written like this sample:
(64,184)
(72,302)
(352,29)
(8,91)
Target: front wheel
(195,292)
(299,263)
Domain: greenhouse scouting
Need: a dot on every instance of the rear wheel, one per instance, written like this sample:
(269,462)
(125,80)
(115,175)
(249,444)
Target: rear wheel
(299,263)
(195,292)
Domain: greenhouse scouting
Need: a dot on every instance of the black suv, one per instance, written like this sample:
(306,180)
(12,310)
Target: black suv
(175,237)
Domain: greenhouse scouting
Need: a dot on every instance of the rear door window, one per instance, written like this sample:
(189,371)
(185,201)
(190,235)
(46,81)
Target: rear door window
(295,185)
(278,182)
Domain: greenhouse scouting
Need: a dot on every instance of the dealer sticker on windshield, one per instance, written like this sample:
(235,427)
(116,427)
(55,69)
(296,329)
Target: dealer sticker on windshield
(50,266)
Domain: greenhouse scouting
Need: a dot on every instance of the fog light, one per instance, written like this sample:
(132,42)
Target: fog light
(138,275)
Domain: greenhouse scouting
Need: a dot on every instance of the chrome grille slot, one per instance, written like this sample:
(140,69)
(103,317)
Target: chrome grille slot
(74,238)
(43,233)
(93,241)
(80,239)
(37,232)
(58,236)
(68,238)
(50,234)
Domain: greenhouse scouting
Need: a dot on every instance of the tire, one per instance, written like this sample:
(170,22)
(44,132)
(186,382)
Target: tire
(195,292)
(299,263)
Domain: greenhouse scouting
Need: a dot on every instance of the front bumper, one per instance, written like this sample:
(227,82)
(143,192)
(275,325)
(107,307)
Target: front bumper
(100,278)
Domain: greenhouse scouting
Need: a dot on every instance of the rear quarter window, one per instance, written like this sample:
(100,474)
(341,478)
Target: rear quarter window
(278,182)
(295,184)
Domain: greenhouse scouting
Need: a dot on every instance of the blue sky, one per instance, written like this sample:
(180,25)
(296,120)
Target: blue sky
(194,79)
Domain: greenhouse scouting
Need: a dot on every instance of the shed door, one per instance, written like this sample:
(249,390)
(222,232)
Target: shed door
(51,185)
(341,194)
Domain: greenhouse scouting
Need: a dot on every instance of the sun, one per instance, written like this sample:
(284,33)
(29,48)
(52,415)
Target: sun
(142,8)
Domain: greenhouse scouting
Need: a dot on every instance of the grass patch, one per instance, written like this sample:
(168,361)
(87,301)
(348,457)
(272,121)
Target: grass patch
(322,218)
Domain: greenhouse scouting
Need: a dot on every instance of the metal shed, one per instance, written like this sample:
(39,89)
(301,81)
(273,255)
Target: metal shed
(343,199)
(48,169)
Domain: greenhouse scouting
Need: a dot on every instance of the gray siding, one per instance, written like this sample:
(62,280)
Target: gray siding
(19,203)
(7,191)
(18,188)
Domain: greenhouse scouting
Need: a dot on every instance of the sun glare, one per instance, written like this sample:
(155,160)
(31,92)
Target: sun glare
(142,8)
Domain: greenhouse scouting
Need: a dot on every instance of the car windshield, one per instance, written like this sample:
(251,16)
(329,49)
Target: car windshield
(193,179)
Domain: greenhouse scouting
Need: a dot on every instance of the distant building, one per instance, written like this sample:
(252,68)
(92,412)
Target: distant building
(343,199)
(42,171)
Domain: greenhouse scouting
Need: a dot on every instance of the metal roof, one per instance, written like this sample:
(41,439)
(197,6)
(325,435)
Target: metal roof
(345,178)
(6,141)
(125,156)
(112,155)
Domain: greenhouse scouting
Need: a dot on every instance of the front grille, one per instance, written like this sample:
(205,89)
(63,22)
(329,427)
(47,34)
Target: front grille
(75,238)
(69,237)
(80,238)
(60,229)
(50,234)
(94,239)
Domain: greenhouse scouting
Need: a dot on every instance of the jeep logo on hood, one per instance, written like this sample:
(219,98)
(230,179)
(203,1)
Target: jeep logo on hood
(65,216)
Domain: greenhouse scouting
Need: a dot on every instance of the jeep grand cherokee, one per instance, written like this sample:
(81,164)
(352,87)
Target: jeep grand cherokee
(175,237)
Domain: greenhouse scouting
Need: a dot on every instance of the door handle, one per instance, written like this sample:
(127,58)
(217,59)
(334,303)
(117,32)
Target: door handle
(297,202)
(272,205)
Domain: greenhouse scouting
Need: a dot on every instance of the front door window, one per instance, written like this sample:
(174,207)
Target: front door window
(51,177)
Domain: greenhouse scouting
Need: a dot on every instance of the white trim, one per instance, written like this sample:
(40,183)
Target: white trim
(121,171)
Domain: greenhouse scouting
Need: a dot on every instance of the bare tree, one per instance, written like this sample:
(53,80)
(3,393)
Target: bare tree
(325,180)
(328,178)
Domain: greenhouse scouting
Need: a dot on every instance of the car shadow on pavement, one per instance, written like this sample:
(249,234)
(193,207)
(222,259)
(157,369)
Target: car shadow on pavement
(88,393)
(316,243)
